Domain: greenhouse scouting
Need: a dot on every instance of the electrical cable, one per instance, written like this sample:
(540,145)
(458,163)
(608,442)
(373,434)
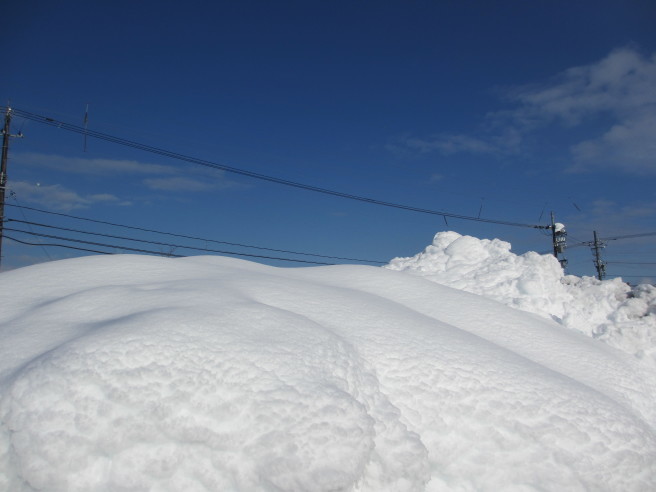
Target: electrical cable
(569,236)
(631,276)
(630,236)
(632,253)
(174,155)
(631,262)
(60,246)
(13,195)
(578,245)
(61,214)
(158,243)
(81,241)
(126,248)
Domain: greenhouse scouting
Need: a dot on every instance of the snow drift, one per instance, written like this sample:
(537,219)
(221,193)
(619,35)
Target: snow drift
(609,310)
(132,373)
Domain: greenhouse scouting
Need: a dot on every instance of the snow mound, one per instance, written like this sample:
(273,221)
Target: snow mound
(198,374)
(609,310)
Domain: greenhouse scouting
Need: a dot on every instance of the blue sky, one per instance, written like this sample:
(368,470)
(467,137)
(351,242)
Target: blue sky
(509,110)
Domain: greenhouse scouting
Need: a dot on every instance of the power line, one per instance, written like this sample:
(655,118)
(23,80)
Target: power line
(632,262)
(632,276)
(127,248)
(61,246)
(174,155)
(12,194)
(578,245)
(630,236)
(81,241)
(142,229)
(632,253)
(158,243)
(124,238)
(575,239)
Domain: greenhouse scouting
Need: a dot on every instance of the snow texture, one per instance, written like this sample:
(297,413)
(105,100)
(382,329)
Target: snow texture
(609,310)
(133,373)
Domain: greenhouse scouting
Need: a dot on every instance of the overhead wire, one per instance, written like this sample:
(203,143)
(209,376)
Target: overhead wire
(632,253)
(631,276)
(127,248)
(631,262)
(12,194)
(174,155)
(60,246)
(158,243)
(629,236)
(575,239)
(196,238)
(92,243)
(490,196)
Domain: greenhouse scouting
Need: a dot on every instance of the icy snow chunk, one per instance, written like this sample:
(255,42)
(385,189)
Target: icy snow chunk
(607,310)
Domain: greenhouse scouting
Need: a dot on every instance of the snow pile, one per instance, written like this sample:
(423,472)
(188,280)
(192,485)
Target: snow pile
(609,310)
(204,374)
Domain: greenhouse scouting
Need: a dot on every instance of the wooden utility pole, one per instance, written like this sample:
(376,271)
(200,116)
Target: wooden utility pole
(6,135)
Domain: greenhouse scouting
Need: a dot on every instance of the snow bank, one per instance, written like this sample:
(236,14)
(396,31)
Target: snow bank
(609,310)
(137,373)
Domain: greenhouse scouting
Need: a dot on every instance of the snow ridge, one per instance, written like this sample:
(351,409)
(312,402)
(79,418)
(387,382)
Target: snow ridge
(202,374)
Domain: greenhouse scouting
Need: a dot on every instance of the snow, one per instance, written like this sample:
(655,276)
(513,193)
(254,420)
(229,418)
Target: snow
(133,373)
(609,310)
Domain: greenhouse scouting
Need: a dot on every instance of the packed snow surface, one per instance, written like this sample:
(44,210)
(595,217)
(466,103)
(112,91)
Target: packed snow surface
(609,310)
(132,373)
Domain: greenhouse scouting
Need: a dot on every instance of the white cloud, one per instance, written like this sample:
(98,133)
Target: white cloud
(103,197)
(610,218)
(163,178)
(620,84)
(450,144)
(179,183)
(610,211)
(79,165)
(58,197)
(507,142)
(619,89)
(629,145)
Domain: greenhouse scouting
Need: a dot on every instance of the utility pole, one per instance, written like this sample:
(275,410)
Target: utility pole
(600,265)
(553,235)
(559,240)
(6,135)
